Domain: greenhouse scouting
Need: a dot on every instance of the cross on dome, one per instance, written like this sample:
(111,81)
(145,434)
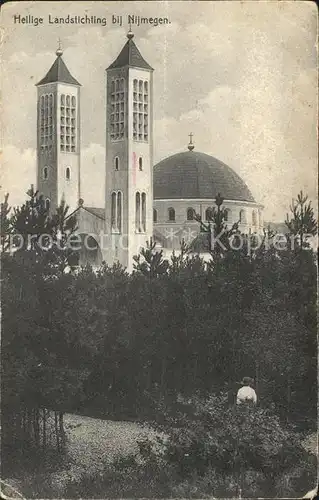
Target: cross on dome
(191,144)
(59,50)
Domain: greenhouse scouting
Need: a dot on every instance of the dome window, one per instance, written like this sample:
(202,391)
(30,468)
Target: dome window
(154,215)
(227,214)
(171,215)
(242,216)
(254,218)
(209,214)
(68,173)
(260,218)
(190,214)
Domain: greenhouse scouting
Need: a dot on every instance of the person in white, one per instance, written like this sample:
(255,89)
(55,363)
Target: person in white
(246,393)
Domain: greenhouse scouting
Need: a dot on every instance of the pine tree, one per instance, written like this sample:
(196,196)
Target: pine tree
(217,230)
(150,262)
(301,224)
(5,224)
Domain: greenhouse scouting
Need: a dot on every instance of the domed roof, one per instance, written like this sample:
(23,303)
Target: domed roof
(197,175)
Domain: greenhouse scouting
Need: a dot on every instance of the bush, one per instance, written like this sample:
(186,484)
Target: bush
(243,442)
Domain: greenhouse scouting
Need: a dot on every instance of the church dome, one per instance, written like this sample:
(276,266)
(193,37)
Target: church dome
(195,175)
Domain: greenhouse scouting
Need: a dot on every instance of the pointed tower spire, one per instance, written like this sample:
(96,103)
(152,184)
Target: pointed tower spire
(58,71)
(130,55)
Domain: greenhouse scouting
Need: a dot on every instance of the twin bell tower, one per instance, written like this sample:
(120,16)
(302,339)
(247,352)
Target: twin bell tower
(126,221)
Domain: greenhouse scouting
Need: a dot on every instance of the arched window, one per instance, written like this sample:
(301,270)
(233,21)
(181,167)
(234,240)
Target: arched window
(254,218)
(242,216)
(190,214)
(144,212)
(119,211)
(113,211)
(138,212)
(227,214)
(62,100)
(116,162)
(140,163)
(47,204)
(68,173)
(154,215)
(209,214)
(45,173)
(171,214)
(68,100)
(73,100)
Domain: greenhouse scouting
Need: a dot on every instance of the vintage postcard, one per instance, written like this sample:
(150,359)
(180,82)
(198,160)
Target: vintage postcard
(159,236)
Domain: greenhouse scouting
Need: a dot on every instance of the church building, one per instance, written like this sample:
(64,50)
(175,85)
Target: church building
(142,200)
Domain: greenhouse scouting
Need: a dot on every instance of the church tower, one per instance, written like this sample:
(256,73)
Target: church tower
(58,136)
(129,155)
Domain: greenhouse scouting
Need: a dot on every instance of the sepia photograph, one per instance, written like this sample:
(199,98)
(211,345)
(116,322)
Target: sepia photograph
(159,244)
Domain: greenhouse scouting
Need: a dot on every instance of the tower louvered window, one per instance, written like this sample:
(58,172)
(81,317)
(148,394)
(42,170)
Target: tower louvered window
(68,123)
(46,122)
(140,110)
(117,121)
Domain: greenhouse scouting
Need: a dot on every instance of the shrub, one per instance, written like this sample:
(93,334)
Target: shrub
(244,442)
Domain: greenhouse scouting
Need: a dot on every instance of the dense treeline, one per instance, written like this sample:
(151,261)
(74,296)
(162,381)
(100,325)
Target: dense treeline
(115,344)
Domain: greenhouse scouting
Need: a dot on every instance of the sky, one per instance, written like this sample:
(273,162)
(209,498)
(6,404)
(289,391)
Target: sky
(241,76)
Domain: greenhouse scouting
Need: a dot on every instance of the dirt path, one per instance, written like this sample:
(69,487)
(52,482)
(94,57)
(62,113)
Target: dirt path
(92,443)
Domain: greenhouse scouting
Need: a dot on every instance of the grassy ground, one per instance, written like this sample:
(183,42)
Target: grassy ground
(91,444)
